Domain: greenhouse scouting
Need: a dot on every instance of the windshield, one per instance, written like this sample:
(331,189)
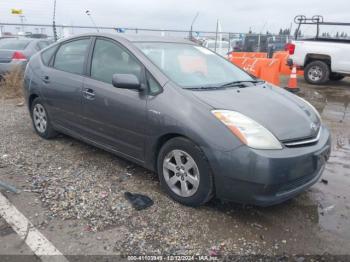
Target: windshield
(13,44)
(192,66)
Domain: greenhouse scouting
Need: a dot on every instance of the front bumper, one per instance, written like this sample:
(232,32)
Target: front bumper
(268,177)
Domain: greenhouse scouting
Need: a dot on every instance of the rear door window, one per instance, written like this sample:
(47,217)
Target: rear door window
(14,44)
(70,56)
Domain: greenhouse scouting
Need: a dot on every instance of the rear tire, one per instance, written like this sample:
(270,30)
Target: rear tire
(41,121)
(336,77)
(317,73)
(189,186)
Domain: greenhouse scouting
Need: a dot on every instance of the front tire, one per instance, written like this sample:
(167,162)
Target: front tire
(184,172)
(317,73)
(41,120)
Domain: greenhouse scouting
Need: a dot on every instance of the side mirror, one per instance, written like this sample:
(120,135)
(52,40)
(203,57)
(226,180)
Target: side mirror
(127,81)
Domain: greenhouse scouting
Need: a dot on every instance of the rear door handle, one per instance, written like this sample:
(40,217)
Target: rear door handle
(88,93)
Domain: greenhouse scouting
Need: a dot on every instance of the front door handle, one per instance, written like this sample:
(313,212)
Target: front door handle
(89,93)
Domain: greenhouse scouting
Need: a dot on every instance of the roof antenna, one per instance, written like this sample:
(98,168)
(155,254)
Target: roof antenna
(88,13)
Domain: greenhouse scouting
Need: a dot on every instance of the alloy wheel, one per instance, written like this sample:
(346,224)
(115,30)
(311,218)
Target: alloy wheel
(181,173)
(40,118)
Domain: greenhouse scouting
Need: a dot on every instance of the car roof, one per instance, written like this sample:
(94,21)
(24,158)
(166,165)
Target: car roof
(137,38)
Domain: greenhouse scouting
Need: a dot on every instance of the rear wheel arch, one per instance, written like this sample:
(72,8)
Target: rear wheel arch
(318,57)
(31,99)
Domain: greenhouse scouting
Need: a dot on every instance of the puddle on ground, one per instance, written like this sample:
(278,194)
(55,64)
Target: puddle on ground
(333,198)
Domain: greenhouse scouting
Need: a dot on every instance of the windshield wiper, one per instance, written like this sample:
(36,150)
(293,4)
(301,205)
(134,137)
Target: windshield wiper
(204,87)
(235,83)
(230,84)
(215,87)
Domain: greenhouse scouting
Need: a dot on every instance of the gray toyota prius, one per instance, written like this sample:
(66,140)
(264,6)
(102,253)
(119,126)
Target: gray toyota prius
(205,126)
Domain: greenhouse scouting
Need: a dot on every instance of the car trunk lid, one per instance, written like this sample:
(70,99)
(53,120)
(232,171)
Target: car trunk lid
(6,55)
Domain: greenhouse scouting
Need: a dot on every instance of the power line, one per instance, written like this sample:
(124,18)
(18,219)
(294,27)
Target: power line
(115,27)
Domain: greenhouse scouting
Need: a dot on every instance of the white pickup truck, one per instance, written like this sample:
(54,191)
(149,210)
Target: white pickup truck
(321,59)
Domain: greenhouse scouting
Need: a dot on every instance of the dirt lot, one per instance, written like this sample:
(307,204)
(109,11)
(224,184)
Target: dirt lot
(74,194)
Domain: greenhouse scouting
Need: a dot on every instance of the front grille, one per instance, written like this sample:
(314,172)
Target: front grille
(296,183)
(304,142)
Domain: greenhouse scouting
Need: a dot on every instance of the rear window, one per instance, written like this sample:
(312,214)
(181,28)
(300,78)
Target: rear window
(14,44)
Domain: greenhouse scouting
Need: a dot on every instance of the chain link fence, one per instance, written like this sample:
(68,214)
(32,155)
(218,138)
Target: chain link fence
(221,42)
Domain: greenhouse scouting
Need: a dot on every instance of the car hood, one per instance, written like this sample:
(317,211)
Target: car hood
(282,113)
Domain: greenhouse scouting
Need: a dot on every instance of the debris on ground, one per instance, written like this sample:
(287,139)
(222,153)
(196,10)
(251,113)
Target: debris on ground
(213,252)
(327,210)
(20,103)
(9,188)
(138,201)
(324,181)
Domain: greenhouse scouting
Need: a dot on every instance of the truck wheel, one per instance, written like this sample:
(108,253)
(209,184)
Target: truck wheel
(336,77)
(317,73)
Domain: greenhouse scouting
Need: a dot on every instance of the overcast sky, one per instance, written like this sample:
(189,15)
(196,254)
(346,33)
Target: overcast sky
(235,16)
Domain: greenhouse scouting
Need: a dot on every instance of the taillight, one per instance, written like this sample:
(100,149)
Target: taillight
(290,48)
(18,56)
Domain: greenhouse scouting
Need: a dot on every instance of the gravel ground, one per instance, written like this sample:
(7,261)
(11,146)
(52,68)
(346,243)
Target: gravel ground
(74,193)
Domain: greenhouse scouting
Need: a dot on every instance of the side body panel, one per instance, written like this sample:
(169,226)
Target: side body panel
(115,117)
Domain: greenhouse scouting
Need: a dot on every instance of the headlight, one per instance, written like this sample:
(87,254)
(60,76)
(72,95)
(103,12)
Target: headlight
(247,130)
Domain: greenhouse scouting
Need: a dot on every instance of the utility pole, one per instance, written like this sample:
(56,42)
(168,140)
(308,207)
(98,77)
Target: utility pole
(22,17)
(191,30)
(87,12)
(54,22)
(216,34)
